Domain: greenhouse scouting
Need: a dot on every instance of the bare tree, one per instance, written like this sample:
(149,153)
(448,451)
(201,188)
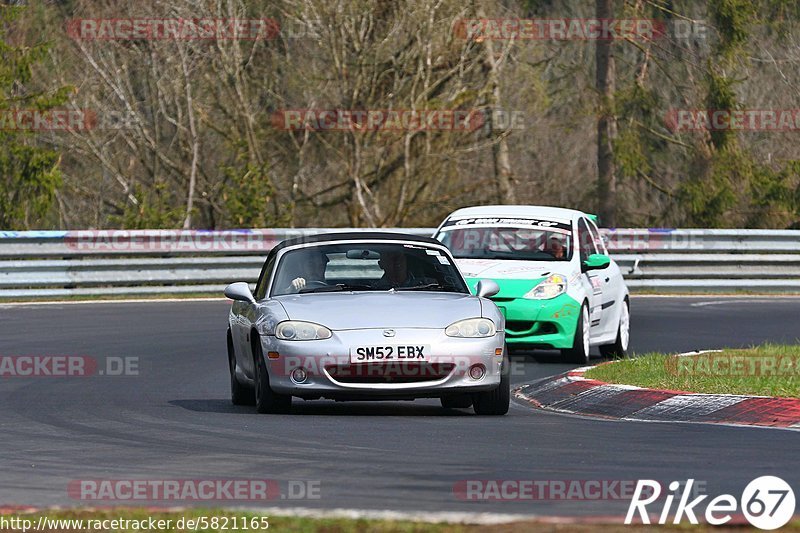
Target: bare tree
(606,121)
(493,64)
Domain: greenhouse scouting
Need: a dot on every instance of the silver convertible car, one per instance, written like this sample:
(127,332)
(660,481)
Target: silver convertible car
(366,316)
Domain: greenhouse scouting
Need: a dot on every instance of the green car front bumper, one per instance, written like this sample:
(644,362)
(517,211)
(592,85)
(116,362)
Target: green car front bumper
(535,323)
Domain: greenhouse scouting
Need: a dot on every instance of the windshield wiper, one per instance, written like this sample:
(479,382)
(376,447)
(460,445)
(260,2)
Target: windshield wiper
(326,288)
(356,287)
(420,287)
(335,288)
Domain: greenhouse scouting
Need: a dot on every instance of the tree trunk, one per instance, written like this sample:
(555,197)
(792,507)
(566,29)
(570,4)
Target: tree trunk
(606,122)
(503,175)
(502,170)
(194,139)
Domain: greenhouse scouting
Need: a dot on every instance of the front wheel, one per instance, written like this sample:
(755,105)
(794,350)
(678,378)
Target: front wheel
(240,394)
(620,347)
(495,401)
(267,400)
(579,353)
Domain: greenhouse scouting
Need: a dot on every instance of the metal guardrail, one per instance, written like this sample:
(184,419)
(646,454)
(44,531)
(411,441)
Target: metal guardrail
(138,262)
(64,263)
(707,260)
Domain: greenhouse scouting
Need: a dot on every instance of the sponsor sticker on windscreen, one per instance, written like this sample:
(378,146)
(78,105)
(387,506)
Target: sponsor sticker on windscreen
(555,225)
(390,352)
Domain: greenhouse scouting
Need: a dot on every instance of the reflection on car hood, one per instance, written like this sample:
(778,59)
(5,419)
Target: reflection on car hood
(506,269)
(347,310)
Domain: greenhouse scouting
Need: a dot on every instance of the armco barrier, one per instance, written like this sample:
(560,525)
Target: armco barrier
(139,262)
(707,260)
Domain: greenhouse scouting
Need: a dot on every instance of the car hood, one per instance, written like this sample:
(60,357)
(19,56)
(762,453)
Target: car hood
(384,309)
(505,269)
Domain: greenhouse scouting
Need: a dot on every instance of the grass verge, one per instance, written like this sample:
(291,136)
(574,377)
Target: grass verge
(179,522)
(766,370)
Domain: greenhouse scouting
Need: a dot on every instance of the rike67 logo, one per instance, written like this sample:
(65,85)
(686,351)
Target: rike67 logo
(767,502)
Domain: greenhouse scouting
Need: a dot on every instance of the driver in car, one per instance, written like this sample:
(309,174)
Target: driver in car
(555,247)
(395,271)
(312,270)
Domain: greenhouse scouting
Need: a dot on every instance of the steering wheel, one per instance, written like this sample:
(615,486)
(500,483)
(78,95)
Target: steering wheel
(315,283)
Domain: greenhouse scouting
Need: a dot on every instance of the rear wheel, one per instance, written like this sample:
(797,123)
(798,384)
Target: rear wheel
(267,401)
(579,353)
(495,401)
(456,401)
(240,394)
(620,347)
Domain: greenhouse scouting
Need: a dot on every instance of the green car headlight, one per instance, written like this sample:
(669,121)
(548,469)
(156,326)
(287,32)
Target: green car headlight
(471,327)
(296,330)
(554,285)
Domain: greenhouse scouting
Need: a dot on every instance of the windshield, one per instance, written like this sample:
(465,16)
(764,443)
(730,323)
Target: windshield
(508,242)
(366,266)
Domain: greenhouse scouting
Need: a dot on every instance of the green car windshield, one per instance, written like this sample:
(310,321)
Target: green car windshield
(499,242)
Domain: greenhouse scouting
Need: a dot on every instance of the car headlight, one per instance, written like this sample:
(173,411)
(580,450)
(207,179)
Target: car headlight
(554,285)
(471,327)
(295,330)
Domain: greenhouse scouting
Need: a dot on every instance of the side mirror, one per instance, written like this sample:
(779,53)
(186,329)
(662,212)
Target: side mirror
(240,291)
(487,288)
(596,262)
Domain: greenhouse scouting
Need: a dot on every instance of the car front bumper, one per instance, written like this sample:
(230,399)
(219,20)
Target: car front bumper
(540,323)
(329,373)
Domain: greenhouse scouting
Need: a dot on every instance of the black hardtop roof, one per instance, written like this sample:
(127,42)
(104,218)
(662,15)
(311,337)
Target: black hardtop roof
(355,236)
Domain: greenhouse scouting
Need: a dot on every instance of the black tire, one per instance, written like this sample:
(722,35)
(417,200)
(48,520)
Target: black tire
(267,401)
(496,401)
(619,350)
(579,353)
(240,394)
(456,401)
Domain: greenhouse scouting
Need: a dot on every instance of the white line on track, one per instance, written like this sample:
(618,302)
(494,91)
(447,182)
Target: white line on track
(735,301)
(120,301)
(726,297)
(449,517)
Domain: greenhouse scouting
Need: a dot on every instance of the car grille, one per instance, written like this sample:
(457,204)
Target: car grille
(527,328)
(390,372)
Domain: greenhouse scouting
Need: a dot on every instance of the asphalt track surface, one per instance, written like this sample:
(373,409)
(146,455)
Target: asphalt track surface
(174,420)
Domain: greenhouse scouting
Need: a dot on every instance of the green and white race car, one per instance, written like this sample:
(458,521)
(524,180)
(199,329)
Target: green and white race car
(558,286)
